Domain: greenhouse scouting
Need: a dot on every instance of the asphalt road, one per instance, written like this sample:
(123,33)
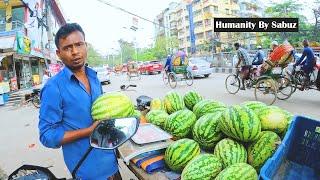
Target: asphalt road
(19,131)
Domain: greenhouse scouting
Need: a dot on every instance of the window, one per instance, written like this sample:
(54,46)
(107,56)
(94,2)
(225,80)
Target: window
(2,20)
(199,36)
(227,11)
(197,13)
(17,17)
(208,34)
(215,9)
(207,22)
(206,9)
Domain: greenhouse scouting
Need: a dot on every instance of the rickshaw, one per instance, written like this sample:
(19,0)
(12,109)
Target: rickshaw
(133,70)
(118,69)
(271,84)
(179,71)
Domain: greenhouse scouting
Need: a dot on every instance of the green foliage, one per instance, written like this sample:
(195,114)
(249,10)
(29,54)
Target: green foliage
(94,58)
(127,49)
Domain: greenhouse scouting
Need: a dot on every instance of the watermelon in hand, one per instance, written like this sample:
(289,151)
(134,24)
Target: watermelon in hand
(112,105)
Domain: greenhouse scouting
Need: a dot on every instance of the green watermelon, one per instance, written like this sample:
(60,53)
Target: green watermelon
(157,117)
(180,123)
(179,153)
(255,106)
(241,123)
(156,104)
(239,171)
(112,105)
(136,113)
(173,102)
(206,130)
(262,149)
(204,167)
(274,119)
(208,106)
(191,98)
(230,152)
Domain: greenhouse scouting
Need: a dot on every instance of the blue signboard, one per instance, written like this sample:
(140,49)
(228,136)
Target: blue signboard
(191,27)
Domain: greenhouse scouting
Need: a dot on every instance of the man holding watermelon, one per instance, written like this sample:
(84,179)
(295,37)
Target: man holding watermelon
(65,113)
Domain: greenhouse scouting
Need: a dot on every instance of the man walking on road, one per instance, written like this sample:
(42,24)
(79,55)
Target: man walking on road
(243,59)
(65,112)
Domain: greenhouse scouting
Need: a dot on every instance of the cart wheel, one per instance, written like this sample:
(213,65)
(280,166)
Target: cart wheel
(232,84)
(285,88)
(172,79)
(165,78)
(266,91)
(189,78)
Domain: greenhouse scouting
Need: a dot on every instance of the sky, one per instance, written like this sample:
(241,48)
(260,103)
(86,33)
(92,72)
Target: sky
(104,25)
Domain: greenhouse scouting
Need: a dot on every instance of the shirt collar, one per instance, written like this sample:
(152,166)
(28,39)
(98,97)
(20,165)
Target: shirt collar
(90,72)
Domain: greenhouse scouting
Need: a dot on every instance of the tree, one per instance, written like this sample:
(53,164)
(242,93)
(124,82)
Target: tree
(94,58)
(160,48)
(127,50)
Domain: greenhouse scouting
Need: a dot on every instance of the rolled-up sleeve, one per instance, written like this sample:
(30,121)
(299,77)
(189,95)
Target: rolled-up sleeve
(50,117)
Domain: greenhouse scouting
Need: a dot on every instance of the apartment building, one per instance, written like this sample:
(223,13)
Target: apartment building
(198,32)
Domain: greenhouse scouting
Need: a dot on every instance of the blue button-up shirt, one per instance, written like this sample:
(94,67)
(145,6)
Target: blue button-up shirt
(66,106)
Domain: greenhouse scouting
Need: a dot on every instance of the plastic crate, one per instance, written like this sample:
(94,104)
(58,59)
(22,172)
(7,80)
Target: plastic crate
(298,156)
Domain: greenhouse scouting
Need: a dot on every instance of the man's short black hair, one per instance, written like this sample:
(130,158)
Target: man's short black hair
(65,30)
(236,44)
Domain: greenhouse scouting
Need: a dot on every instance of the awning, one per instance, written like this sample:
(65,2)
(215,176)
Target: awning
(3,55)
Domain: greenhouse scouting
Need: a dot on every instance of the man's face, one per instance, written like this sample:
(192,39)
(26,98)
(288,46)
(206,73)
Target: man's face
(73,50)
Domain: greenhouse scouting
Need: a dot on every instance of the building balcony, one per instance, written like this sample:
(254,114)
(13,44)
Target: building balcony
(16,27)
(198,30)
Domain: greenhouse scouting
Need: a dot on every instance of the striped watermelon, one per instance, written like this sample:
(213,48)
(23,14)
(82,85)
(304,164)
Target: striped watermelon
(255,106)
(208,106)
(180,123)
(112,105)
(262,149)
(241,123)
(179,153)
(173,102)
(206,130)
(273,119)
(230,152)
(156,104)
(136,113)
(239,171)
(191,98)
(157,117)
(204,167)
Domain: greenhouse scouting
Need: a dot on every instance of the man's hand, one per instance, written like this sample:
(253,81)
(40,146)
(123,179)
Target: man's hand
(93,126)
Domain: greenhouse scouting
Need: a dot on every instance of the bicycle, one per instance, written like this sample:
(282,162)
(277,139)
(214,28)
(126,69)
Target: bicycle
(33,97)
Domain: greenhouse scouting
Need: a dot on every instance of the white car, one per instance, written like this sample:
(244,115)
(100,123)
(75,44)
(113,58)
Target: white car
(199,67)
(103,74)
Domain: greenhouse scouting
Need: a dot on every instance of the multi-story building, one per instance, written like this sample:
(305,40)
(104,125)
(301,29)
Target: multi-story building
(199,32)
(27,48)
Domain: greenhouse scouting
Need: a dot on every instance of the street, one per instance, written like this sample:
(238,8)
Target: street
(19,131)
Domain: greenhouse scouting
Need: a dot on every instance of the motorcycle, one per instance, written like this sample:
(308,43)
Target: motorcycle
(108,135)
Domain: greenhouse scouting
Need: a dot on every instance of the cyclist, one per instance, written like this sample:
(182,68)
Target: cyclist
(243,60)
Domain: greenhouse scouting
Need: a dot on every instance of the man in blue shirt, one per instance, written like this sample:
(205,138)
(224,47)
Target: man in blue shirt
(167,66)
(309,63)
(65,113)
(258,58)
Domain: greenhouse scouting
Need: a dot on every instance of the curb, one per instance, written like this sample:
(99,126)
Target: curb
(226,70)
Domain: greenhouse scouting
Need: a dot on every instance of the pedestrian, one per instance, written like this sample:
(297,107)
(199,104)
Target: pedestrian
(65,113)
(259,57)
(45,77)
(243,60)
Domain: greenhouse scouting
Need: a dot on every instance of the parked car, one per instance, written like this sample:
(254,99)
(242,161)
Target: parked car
(151,67)
(199,67)
(103,74)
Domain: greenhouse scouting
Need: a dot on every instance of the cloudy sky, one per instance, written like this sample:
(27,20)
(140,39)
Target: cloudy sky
(105,25)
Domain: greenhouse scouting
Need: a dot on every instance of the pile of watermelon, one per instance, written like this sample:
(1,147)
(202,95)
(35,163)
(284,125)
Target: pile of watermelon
(216,141)
(213,140)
